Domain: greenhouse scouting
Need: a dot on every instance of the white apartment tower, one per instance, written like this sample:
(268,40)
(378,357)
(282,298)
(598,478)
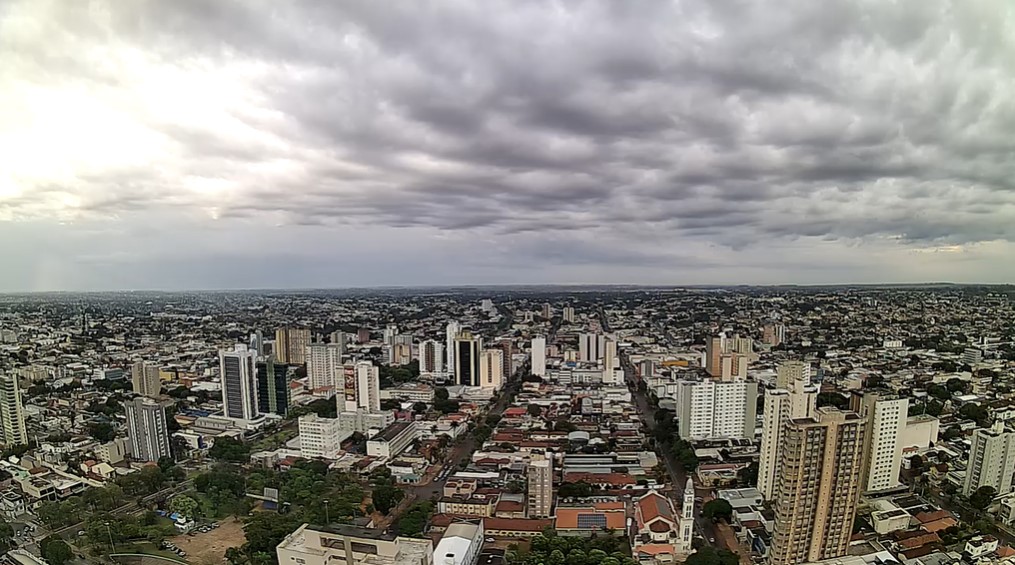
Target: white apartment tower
(991,460)
(540,487)
(712,409)
(238,371)
(145,379)
(591,347)
(12,412)
(324,365)
(147,429)
(781,406)
(321,437)
(431,357)
(567,314)
(491,369)
(368,386)
(538,356)
(886,418)
(451,333)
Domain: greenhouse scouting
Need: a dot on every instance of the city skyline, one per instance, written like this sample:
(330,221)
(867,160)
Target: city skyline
(178,146)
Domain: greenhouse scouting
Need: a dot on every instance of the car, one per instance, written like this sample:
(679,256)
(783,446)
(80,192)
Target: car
(81,532)
(711,540)
(490,540)
(183,554)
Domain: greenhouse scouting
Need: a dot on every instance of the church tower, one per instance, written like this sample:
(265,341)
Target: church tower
(687,520)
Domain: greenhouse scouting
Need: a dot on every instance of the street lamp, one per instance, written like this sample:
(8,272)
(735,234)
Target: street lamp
(327,516)
(112,547)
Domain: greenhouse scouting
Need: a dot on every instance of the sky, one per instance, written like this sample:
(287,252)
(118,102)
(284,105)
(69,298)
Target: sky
(200,144)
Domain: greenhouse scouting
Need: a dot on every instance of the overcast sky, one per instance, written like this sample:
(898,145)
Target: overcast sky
(251,144)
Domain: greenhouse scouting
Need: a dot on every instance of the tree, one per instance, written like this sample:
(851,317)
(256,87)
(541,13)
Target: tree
(939,392)
(709,555)
(441,393)
(55,550)
(580,489)
(916,464)
(419,407)
(982,497)
(977,413)
(718,509)
(956,384)
(6,536)
(229,449)
(534,410)
(832,399)
(935,408)
(184,505)
(413,522)
(265,530)
(102,431)
(386,497)
(748,476)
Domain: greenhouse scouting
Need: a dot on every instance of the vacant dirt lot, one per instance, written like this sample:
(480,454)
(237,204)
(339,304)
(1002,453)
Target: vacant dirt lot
(210,548)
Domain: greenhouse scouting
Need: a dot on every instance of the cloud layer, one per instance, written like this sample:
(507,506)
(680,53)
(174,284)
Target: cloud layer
(195,144)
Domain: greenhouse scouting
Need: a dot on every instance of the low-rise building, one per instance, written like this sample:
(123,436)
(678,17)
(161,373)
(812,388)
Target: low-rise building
(392,440)
(351,545)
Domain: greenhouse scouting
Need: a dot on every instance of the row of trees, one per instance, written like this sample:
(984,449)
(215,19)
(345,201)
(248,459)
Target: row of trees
(667,437)
(551,549)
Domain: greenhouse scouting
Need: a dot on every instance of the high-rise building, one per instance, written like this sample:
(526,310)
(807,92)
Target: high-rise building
(390,331)
(773,334)
(789,372)
(339,339)
(239,383)
(491,369)
(12,412)
(400,350)
(368,386)
(273,393)
(467,363)
(431,357)
(547,311)
(991,460)
(540,486)
(781,406)
(713,409)
(714,348)
(591,347)
(568,315)
(362,335)
(451,332)
(818,486)
(886,419)
(507,367)
(257,342)
(728,357)
(538,356)
(145,379)
(291,345)
(324,365)
(147,429)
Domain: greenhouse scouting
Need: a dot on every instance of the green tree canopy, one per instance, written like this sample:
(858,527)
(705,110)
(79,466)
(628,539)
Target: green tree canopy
(718,509)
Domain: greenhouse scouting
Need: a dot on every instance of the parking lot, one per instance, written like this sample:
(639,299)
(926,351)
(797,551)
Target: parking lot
(209,546)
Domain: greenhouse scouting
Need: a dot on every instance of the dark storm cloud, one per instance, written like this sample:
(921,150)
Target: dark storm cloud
(634,126)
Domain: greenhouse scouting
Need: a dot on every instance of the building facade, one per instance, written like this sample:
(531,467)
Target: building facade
(431,358)
(467,359)
(238,372)
(540,487)
(12,411)
(273,393)
(339,544)
(781,406)
(538,356)
(491,369)
(321,437)
(819,486)
(991,460)
(713,409)
(324,365)
(291,345)
(145,379)
(886,420)
(147,429)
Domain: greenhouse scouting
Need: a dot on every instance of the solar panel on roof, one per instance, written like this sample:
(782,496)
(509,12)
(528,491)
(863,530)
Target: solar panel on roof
(592,521)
